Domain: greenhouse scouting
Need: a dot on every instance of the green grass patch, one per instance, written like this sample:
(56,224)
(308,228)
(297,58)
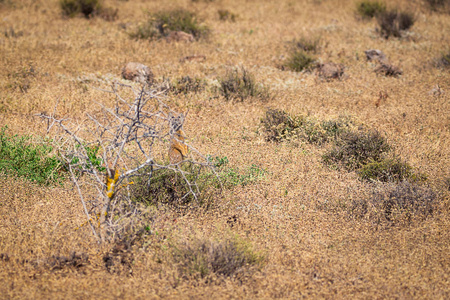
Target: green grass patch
(389,170)
(35,162)
(160,24)
(300,60)
(370,9)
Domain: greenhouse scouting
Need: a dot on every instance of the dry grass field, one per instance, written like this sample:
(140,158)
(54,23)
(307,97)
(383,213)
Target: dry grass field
(287,224)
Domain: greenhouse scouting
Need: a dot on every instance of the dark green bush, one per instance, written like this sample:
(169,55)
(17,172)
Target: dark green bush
(355,149)
(240,85)
(394,23)
(300,60)
(389,170)
(19,157)
(160,24)
(370,9)
(88,8)
(202,257)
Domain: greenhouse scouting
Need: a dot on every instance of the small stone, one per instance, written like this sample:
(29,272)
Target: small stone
(375,54)
(331,70)
(137,72)
(180,36)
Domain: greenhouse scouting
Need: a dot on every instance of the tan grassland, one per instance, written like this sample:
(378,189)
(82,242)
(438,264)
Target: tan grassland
(296,216)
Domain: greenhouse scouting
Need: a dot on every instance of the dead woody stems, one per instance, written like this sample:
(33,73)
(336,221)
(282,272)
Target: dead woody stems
(114,146)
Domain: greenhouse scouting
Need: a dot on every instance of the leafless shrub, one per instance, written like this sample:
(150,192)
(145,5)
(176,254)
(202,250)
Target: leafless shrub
(394,23)
(114,147)
(396,203)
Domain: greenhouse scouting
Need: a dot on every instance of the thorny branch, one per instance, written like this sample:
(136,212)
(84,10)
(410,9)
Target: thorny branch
(112,146)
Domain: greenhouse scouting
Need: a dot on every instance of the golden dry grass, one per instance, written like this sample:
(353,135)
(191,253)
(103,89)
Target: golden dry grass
(297,215)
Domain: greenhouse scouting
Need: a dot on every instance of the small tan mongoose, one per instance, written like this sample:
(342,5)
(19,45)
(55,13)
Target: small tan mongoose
(178,149)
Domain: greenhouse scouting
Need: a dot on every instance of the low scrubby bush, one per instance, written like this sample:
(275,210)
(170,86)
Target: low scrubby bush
(370,9)
(355,149)
(240,85)
(394,23)
(438,5)
(35,162)
(279,125)
(397,202)
(202,257)
(160,24)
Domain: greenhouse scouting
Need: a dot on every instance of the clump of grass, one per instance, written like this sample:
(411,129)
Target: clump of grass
(240,85)
(370,9)
(437,5)
(355,149)
(160,24)
(394,23)
(226,15)
(280,126)
(389,170)
(19,157)
(308,45)
(186,84)
(300,60)
(397,202)
(229,257)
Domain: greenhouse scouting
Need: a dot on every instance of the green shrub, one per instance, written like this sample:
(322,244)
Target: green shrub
(355,149)
(393,23)
(370,9)
(240,85)
(389,170)
(300,60)
(19,157)
(88,8)
(160,24)
(202,257)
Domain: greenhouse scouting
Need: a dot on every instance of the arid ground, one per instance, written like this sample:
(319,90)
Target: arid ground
(302,227)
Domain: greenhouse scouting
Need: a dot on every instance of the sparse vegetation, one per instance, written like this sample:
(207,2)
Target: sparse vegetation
(186,84)
(279,126)
(241,85)
(444,60)
(160,24)
(226,15)
(35,162)
(370,9)
(394,23)
(438,5)
(397,203)
(202,257)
